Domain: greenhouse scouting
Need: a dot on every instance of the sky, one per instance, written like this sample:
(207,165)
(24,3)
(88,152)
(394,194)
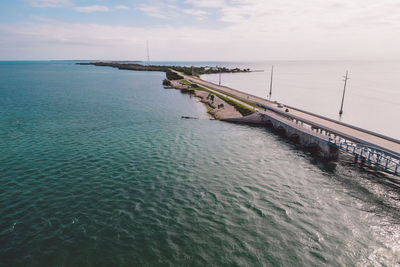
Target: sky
(229,30)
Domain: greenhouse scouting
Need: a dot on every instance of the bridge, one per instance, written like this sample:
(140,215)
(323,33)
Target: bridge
(310,129)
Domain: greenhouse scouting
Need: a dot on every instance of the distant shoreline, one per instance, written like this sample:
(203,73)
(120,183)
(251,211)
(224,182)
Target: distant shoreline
(219,106)
(193,70)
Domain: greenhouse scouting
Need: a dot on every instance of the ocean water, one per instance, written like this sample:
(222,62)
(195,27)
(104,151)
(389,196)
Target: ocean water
(97,168)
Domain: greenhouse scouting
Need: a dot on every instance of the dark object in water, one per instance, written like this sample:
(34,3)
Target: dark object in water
(187,117)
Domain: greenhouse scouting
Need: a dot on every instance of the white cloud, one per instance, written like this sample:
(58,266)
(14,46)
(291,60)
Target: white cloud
(251,29)
(195,12)
(121,7)
(167,11)
(42,18)
(89,9)
(207,3)
(161,11)
(153,11)
(69,41)
(49,3)
(198,14)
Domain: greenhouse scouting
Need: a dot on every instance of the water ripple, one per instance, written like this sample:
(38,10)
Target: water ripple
(89,182)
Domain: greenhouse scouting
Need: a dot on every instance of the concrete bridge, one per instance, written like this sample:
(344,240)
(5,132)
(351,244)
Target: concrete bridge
(313,131)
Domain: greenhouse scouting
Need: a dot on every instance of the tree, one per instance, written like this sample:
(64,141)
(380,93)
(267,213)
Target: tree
(166,82)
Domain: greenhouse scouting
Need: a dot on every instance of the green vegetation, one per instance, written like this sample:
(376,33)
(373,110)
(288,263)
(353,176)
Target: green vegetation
(196,86)
(186,70)
(242,100)
(185,82)
(192,85)
(245,111)
(171,75)
(166,82)
(187,91)
(196,71)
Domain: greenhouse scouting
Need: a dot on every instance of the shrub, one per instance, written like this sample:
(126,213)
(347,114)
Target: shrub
(173,75)
(166,82)
(187,91)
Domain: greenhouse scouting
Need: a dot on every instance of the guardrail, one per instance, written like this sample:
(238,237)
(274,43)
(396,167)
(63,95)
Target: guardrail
(375,157)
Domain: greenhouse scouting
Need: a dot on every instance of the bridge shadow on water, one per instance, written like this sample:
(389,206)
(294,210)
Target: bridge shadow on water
(344,166)
(378,192)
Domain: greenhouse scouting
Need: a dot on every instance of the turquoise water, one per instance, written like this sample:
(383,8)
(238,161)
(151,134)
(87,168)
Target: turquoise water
(98,169)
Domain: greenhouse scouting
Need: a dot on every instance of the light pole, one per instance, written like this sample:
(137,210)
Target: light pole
(344,91)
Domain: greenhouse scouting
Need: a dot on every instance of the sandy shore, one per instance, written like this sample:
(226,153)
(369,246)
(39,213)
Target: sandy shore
(217,108)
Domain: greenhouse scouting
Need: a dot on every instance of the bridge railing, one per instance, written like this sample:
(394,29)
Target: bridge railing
(381,159)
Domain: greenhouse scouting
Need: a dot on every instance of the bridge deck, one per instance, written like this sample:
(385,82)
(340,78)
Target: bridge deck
(353,133)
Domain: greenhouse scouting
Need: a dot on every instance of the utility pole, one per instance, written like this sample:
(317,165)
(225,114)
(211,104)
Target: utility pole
(270,85)
(148,54)
(219,76)
(344,91)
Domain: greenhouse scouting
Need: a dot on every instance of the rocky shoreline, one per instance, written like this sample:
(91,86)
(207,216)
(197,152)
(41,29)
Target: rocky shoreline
(216,107)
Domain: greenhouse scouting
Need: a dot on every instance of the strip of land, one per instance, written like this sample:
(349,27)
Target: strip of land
(192,70)
(219,106)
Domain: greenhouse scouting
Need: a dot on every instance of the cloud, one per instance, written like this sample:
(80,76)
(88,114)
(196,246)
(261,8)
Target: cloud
(198,13)
(168,11)
(49,3)
(89,9)
(310,14)
(161,11)
(93,41)
(207,3)
(42,18)
(240,30)
(195,12)
(121,7)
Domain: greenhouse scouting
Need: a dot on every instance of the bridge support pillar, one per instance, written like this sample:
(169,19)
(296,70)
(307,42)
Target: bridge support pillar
(313,139)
